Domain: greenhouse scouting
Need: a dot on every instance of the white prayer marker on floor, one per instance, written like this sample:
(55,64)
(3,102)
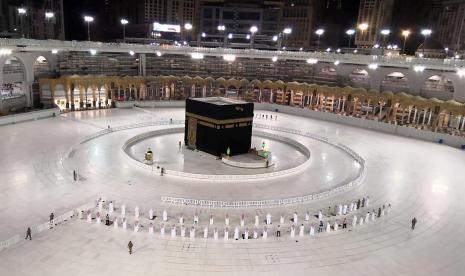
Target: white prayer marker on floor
(123,210)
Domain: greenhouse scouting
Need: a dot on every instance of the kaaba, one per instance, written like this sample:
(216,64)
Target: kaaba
(215,124)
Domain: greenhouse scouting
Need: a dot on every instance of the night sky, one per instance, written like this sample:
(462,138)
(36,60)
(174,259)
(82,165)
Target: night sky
(336,16)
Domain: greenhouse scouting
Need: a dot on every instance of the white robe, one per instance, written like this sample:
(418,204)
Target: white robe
(236,233)
(123,210)
(268,219)
(246,234)
(336,226)
(344,210)
(125,224)
(181,220)
(136,212)
(151,229)
(192,233)
(307,216)
(211,220)
(256,220)
(183,231)
(151,214)
(328,227)
(165,215)
(320,215)
(281,220)
(226,221)
(215,234)
(162,230)
(173,232)
(292,231)
(89,217)
(255,234)
(354,221)
(312,231)
(226,235)
(115,223)
(205,232)
(110,208)
(301,231)
(295,218)
(339,209)
(265,234)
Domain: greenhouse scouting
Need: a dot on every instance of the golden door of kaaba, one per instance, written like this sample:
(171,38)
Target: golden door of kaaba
(192,133)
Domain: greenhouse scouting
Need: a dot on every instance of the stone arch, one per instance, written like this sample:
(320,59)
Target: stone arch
(41,67)
(359,78)
(14,70)
(395,82)
(437,86)
(60,96)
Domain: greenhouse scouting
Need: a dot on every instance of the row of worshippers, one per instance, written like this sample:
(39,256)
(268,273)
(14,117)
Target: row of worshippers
(245,233)
(338,210)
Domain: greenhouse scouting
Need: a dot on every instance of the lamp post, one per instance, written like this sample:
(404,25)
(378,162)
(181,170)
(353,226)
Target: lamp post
(405,34)
(385,34)
(124,22)
(221,29)
(425,33)
(253,30)
(48,16)
(188,27)
(319,33)
(350,33)
(363,27)
(21,13)
(286,31)
(88,20)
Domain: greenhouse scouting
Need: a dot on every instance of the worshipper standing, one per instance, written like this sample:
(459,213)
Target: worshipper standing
(52,216)
(379,212)
(74,175)
(414,221)
(107,220)
(278,232)
(344,224)
(130,245)
(28,234)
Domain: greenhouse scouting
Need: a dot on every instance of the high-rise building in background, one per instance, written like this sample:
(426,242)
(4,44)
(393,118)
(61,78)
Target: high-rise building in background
(450,28)
(270,18)
(33,23)
(301,17)
(377,15)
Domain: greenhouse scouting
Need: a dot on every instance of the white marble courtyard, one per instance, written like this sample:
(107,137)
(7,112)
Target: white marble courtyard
(418,178)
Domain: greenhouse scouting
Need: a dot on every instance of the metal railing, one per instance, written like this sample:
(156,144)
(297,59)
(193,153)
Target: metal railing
(449,64)
(46,225)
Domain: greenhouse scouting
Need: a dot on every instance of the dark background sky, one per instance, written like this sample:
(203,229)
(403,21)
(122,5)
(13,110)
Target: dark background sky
(334,15)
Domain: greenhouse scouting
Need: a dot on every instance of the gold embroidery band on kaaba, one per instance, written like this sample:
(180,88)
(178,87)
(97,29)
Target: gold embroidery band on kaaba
(219,122)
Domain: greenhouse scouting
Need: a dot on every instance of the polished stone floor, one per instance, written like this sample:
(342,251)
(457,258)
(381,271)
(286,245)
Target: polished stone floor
(167,154)
(418,178)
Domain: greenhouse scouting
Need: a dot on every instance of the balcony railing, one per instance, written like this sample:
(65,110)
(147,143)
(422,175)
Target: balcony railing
(393,61)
